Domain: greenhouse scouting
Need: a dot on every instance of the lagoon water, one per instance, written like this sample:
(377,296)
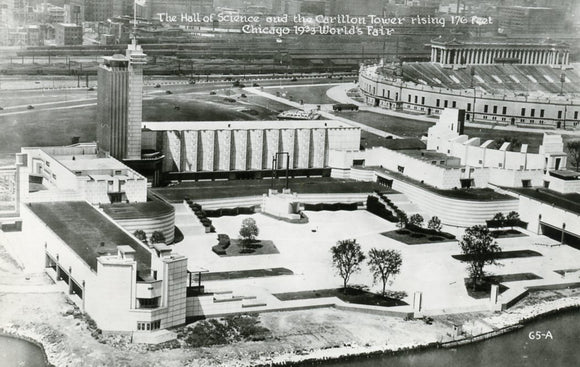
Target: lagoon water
(514,349)
(19,353)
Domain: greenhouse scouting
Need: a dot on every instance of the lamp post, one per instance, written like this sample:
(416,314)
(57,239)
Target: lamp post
(275,167)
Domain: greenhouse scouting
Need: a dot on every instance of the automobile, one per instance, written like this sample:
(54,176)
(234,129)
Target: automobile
(168,92)
(255,85)
(243,95)
(229,99)
(212,93)
(294,79)
(191,81)
(157,86)
(90,89)
(30,107)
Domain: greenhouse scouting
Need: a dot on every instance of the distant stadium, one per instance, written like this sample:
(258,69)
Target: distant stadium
(512,83)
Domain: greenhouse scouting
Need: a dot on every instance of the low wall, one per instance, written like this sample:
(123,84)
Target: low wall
(454,212)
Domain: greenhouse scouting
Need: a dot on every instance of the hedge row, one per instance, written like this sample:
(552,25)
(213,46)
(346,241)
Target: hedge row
(375,207)
(506,223)
(428,231)
(331,207)
(230,211)
(201,215)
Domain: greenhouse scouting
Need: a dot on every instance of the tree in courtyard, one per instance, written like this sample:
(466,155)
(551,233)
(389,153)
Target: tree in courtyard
(384,263)
(249,231)
(346,258)
(499,218)
(574,153)
(416,219)
(157,237)
(140,235)
(403,219)
(435,224)
(512,218)
(515,143)
(480,249)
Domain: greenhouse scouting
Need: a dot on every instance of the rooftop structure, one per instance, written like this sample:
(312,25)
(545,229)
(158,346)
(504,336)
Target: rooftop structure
(79,173)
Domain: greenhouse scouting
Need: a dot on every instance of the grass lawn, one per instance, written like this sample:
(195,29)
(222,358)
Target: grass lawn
(409,237)
(257,247)
(224,189)
(353,295)
(503,255)
(518,277)
(310,94)
(482,290)
(507,233)
(241,274)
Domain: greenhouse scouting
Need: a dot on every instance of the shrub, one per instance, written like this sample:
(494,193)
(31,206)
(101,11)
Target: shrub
(402,231)
(435,238)
(417,235)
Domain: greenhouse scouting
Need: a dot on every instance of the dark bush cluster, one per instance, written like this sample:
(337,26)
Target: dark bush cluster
(331,207)
(375,207)
(229,212)
(201,215)
(223,243)
(427,231)
(230,329)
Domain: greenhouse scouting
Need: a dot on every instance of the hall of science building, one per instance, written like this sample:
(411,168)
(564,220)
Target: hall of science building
(80,204)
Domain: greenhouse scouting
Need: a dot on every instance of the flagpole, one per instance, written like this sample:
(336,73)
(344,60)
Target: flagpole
(135,19)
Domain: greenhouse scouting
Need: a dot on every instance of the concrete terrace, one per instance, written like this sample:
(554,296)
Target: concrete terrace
(428,268)
(243,125)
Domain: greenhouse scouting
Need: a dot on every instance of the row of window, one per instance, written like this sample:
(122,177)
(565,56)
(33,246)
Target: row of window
(415,99)
(153,325)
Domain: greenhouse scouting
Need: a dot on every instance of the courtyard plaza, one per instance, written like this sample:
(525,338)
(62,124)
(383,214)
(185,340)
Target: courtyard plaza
(305,249)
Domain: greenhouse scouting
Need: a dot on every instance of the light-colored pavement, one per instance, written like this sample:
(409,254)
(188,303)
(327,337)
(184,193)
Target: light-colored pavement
(427,268)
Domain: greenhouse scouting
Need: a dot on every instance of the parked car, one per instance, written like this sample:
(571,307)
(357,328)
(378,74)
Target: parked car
(212,93)
(157,86)
(255,85)
(168,92)
(30,107)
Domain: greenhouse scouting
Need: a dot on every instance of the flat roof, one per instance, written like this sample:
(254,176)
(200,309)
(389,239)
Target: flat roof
(153,208)
(569,202)
(89,233)
(91,164)
(244,125)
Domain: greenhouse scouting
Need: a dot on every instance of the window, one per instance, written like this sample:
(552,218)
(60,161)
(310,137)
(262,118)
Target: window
(453,104)
(559,114)
(438,103)
(416,99)
(117,173)
(388,94)
(523,111)
(110,185)
(469,107)
(485,108)
(445,104)
(145,325)
(78,173)
(504,110)
(47,163)
(532,112)
(576,115)
(423,101)
(541,113)
(396,96)
(148,302)
(401,169)
(409,99)
(494,109)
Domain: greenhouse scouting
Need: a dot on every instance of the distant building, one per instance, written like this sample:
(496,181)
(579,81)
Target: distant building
(33,36)
(68,34)
(74,11)
(528,19)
